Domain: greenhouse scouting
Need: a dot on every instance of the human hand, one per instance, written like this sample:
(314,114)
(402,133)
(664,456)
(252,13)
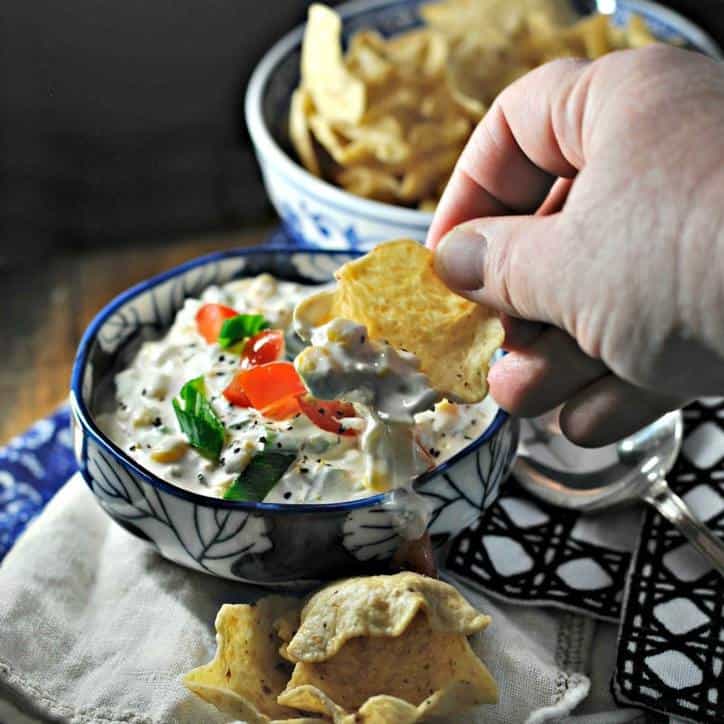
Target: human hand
(593,202)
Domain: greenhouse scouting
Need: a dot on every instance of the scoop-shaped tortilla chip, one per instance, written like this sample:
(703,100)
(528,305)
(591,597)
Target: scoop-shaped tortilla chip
(389,649)
(417,667)
(247,673)
(395,292)
(379,606)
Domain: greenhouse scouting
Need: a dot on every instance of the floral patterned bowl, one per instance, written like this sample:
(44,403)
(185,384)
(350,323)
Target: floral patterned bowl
(316,212)
(269,544)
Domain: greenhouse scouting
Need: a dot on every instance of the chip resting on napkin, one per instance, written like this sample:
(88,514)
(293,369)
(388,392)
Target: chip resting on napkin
(389,649)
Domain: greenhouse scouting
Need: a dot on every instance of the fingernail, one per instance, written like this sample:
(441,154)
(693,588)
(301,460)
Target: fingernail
(460,257)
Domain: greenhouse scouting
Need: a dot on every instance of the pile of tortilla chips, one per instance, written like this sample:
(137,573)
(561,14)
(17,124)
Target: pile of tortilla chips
(379,650)
(388,119)
(394,291)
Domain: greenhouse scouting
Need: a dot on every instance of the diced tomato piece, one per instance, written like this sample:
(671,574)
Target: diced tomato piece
(210,319)
(328,414)
(283,409)
(264,347)
(235,394)
(269,383)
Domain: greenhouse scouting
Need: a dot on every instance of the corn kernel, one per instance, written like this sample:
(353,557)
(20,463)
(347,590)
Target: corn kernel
(169,454)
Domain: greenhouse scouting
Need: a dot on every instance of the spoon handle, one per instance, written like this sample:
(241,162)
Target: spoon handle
(676,511)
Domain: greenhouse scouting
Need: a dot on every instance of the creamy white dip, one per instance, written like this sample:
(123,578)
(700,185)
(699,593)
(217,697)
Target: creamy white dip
(344,363)
(326,467)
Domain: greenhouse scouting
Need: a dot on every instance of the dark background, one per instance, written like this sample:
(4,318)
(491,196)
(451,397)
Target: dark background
(123,120)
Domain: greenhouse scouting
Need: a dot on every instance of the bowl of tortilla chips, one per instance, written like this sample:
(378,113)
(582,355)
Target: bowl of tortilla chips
(357,117)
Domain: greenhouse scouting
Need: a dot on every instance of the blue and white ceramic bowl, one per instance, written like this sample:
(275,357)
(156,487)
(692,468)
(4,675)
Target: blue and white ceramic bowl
(316,212)
(269,544)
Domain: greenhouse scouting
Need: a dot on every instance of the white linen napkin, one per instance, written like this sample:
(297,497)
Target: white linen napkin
(96,627)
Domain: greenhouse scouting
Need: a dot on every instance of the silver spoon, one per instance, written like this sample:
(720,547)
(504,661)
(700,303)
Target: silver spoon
(555,470)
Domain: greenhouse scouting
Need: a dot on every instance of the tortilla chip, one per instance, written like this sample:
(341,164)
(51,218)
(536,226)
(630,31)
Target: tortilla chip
(370,183)
(341,149)
(379,606)
(394,291)
(387,649)
(338,95)
(300,111)
(367,57)
(429,135)
(383,137)
(424,176)
(411,666)
(247,673)
(419,51)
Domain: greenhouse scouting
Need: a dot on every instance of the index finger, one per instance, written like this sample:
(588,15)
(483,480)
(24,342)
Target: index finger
(530,137)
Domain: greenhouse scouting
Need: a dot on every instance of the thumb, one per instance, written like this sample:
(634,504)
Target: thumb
(514,264)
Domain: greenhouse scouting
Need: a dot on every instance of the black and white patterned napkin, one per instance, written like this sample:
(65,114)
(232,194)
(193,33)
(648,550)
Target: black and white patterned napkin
(526,551)
(629,566)
(671,642)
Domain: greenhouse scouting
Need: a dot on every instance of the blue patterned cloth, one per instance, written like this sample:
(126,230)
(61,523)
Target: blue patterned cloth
(33,466)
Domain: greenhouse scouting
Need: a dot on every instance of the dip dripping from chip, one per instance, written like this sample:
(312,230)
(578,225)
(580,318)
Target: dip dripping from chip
(344,363)
(393,337)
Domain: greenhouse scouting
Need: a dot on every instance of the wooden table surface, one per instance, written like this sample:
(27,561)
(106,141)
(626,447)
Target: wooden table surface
(46,308)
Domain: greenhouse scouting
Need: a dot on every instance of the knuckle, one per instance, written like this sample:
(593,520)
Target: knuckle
(498,272)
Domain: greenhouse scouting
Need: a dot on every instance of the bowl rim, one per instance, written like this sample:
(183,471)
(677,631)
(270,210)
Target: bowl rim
(84,417)
(296,175)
